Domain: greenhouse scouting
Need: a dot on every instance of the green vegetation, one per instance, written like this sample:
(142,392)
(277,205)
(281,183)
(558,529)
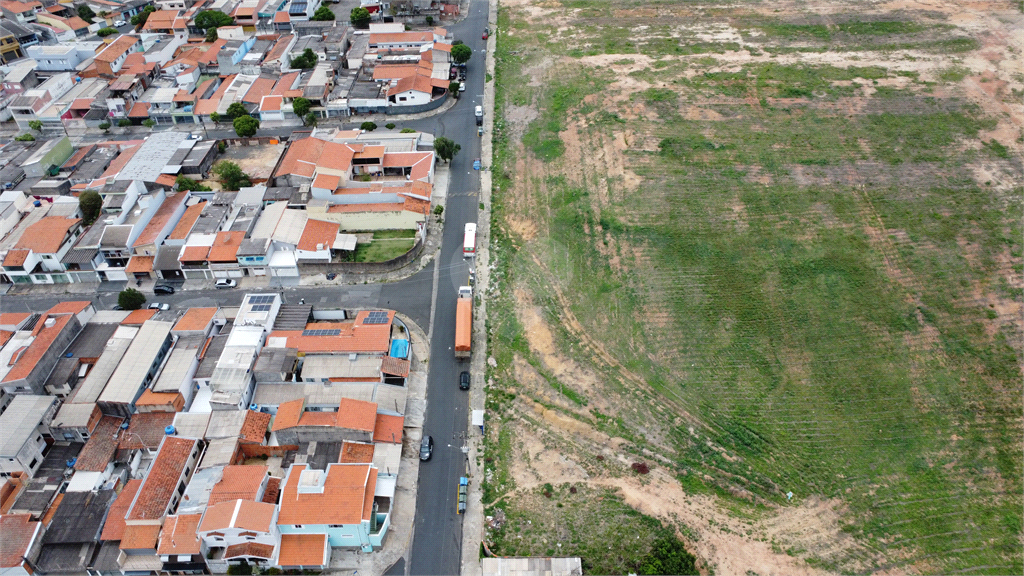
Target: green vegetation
(301,106)
(105,126)
(461,53)
(131,299)
(141,18)
(231,176)
(149,123)
(185,183)
(104,32)
(90,203)
(237,110)
(386,245)
(307,60)
(390,125)
(36,125)
(360,18)
(445,148)
(124,122)
(212,19)
(26,137)
(368,126)
(407,131)
(86,13)
(323,14)
(245,126)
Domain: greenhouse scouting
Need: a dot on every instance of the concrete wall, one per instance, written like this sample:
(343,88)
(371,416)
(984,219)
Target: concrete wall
(299,434)
(432,105)
(363,267)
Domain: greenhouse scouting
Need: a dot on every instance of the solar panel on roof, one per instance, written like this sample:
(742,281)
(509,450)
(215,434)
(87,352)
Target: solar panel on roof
(261,308)
(376,317)
(330,332)
(261,300)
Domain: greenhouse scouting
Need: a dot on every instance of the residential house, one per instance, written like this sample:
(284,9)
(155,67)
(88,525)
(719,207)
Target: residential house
(30,355)
(161,224)
(239,530)
(336,505)
(22,33)
(138,368)
(179,547)
(22,539)
(25,424)
(20,75)
(112,58)
(36,258)
(10,49)
(20,12)
(73,533)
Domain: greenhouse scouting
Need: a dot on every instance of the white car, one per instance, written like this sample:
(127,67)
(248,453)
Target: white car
(462,87)
(223,283)
(119,23)
(159,306)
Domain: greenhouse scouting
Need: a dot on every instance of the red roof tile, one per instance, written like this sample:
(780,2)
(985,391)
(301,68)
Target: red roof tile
(282,17)
(306,550)
(194,254)
(341,501)
(98,451)
(328,181)
(318,235)
(162,479)
(388,428)
(179,535)
(146,430)
(161,218)
(47,235)
(138,317)
(272,491)
(356,453)
(139,264)
(140,537)
(73,307)
(18,531)
(139,110)
(52,510)
(357,415)
(117,48)
(44,338)
(249,550)
(288,414)
(114,527)
(16,257)
(225,247)
(244,514)
(259,88)
(187,221)
(395,366)
(195,320)
(238,483)
(255,427)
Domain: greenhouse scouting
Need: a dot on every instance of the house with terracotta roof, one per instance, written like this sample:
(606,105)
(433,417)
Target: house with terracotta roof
(21,12)
(179,547)
(36,258)
(22,537)
(111,59)
(160,225)
(29,356)
(337,505)
(354,421)
(239,530)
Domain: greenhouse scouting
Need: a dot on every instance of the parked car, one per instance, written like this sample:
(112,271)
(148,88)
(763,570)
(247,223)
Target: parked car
(426,448)
(332,275)
(479,130)
(119,23)
(163,289)
(476,164)
(487,32)
(225,283)
(464,381)
(117,307)
(462,87)
(159,306)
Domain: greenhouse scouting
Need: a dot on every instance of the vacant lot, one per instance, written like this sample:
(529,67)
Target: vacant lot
(762,249)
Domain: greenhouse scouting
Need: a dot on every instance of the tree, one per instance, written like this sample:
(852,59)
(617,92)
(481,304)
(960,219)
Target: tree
(140,18)
(237,110)
(149,122)
(104,32)
(301,106)
(368,126)
(90,203)
(86,13)
(212,19)
(25,138)
(211,35)
(446,149)
(131,299)
(390,125)
(668,556)
(307,60)
(35,125)
(105,126)
(245,126)
(215,118)
(323,14)
(453,88)
(360,17)
(430,20)
(310,119)
(185,183)
(124,122)
(461,53)
(231,175)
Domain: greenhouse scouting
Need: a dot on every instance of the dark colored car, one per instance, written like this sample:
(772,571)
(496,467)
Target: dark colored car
(426,448)
(464,381)
(163,289)
(487,32)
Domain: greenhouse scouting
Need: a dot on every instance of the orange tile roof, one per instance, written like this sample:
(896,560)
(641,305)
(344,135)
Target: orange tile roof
(272,491)
(355,337)
(401,37)
(140,537)
(146,430)
(251,515)
(161,218)
(52,510)
(73,307)
(113,529)
(306,550)
(328,181)
(47,235)
(13,318)
(341,501)
(138,317)
(80,155)
(285,84)
(249,550)
(162,479)
(395,366)
(271,103)
(16,257)
(18,532)
(238,483)
(225,247)
(179,535)
(161,20)
(172,400)
(211,53)
(119,162)
(371,487)
(301,157)
(117,48)
(183,96)
(288,414)
(5,336)
(318,419)
(139,264)
(281,17)
(356,453)
(194,254)
(139,110)
(259,88)
(282,43)
(415,83)
(318,235)
(167,180)
(195,319)
(255,427)
(98,451)
(390,71)
(188,220)
(388,428)
(44,338)
(357,414)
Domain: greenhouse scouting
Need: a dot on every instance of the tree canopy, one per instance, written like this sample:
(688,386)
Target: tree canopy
(185,183)
(86,13)
(104,32)
(446,149)
(323,14)
(140,18)
(215,117)
(360,17)
(131,299)
(90,202)
(245,126)
(231,176)
(212,19)
(461,53)
(237,110)
(307,60)
(301,106)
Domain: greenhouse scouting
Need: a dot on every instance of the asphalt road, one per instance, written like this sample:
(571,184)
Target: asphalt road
(437,537)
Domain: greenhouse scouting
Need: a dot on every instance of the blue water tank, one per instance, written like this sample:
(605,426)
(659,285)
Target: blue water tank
(124,425)
(254,407)
(169,430)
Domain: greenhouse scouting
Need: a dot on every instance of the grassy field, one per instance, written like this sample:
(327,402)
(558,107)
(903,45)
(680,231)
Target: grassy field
(386,244)
(784,251)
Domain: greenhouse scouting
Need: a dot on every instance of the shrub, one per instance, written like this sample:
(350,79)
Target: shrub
(640,467)
(104,126)
(104,32)
(131,299)
(221,146)
(149,123)
(25,138)
(90,203)
(438,209)
(368,126)
(124,122)
(430,20)
(185,183)
(231,176)
(406,131)
(390,125)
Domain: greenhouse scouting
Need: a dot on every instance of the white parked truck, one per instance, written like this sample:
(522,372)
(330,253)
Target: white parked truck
(469,241)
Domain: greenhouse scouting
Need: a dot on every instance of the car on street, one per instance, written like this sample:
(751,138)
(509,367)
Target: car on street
(480,131)
(332,275)
(464,381)
(117,307)
(462,87)
(163,289)
(487,32)
(159,306)
(476,164)
(426,448)
(119,23)
(225,283)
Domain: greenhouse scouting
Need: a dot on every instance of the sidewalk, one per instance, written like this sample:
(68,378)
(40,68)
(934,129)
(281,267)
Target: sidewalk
(473,521)
(403,510)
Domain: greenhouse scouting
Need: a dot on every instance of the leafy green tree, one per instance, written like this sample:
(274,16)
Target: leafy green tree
(90,203)
(131,299)
(461,53)
(185,183)
(211,35)
(140,18)
(237,110)
(368,126)
(212,19)
(430,20)
(231,176)
(323,14)
(124,122)
(149,122)
(26,137)
(310,119)
(301,106)
(390,125)
(453,87)
(360,17)
(104,32)
(215,118)
(86,13)
(446,149)
(306,60)
(245,126)
(35,125)
(668,556)
(105,126)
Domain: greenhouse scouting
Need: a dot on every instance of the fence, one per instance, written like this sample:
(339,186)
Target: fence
(364,267)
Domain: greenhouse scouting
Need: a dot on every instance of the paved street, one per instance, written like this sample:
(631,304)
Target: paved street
(437,535)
